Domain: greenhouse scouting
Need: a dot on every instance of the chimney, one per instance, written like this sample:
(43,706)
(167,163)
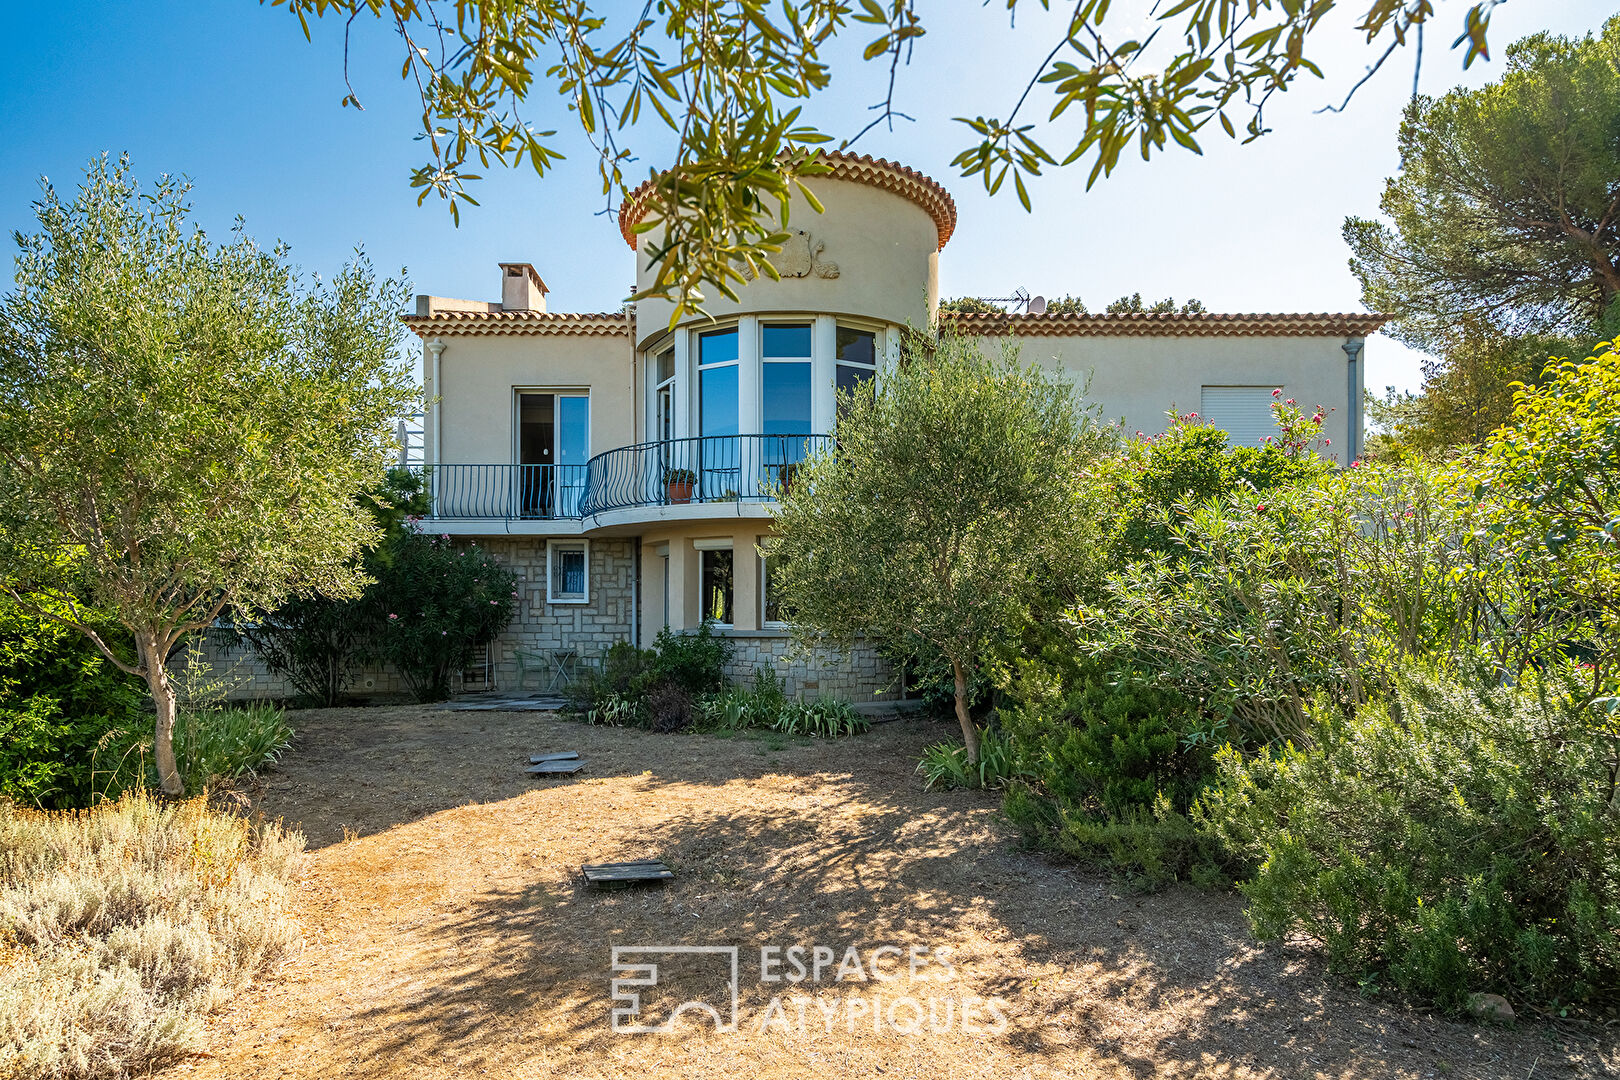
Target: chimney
(521,288)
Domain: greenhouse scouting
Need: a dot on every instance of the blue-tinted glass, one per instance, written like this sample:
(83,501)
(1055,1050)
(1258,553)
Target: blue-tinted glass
(787,399)
(789,341)
(573,430)
(850,377)
(717,401)
(718,347)
(857,346)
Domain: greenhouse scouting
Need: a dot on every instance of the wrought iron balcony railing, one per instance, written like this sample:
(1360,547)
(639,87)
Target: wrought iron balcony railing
(674,472)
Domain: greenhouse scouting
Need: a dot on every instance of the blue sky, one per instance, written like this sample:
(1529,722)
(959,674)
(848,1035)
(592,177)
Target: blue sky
(230,94)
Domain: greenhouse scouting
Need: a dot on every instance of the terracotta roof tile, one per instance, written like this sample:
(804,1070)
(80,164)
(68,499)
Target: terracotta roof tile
(903,180)
(1204,324)
(517,322)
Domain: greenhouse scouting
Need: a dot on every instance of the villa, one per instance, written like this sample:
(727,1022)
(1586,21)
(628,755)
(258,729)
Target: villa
(623,468)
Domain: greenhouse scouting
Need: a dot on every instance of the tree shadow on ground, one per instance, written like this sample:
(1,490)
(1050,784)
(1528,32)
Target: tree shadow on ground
(833,845)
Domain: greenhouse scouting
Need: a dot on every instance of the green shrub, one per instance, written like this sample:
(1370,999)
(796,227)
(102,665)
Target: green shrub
(695,662)
(946,765)
(1108,770)
(223,744)
(616,710)
(623,675)
(1115,745)
(61,706)
(1157,478)
(823,718)
(1451,840)
(434,604)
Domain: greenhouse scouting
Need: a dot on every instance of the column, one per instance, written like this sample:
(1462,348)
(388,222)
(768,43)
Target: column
(823,374)
(744,582)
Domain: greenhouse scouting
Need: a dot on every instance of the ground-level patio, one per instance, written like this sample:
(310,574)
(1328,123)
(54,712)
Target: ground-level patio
(449,934)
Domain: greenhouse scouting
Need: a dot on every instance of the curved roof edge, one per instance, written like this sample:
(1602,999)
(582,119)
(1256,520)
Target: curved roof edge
(882,173)
(517,322)
(1202,324)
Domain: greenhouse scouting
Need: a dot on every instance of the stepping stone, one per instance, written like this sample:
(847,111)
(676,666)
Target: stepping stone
(555,768)
(561,755)
(625,873)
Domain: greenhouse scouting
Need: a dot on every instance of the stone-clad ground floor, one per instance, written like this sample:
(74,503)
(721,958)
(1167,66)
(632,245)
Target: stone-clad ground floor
(611,612)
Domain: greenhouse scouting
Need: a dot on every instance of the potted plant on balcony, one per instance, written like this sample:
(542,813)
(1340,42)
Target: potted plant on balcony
(678,485)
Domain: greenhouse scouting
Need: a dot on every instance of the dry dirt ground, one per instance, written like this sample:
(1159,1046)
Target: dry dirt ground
(449,934)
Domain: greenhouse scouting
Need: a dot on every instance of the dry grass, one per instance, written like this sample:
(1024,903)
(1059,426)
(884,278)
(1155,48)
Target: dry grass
(450,937)
(122,927)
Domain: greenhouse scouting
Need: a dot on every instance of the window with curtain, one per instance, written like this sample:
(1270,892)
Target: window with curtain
(567,579)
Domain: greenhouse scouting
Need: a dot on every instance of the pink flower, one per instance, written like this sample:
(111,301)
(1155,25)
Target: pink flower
(1261,508)
(391,615)
(444,536)
(1327,442)
(1277,392)
(1290,401)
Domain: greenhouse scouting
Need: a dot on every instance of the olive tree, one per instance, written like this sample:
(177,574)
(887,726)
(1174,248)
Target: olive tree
(953,491)
(184,425)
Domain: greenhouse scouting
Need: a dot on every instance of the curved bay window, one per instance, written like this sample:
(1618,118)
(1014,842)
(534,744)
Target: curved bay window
(729,409)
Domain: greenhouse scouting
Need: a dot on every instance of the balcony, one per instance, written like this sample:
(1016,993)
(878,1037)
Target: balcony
(714,469)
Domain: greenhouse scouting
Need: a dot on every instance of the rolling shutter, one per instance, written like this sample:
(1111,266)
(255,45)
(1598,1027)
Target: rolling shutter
(1243,412)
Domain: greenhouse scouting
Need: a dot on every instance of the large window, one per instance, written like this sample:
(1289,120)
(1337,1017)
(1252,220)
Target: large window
(770,601)
(717,383)
(785,379)
(857,358)
(714,581)
(568,571)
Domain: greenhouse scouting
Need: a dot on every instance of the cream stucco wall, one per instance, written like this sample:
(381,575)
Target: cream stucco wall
(886,248)
(475,403)
(1140,378)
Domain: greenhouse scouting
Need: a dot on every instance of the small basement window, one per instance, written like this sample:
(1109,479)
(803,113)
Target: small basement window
(568,571)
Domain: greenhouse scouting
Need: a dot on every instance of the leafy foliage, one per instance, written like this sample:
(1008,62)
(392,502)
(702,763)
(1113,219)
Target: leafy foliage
(1554,473)
(950,500)
(823,718)
(946,764)
(728,80)
(189,421)
(696,662)
(1454,839)
(315,641)
(1133,305)
(1159,477)
(1503,213)
(60,703)
(434,605)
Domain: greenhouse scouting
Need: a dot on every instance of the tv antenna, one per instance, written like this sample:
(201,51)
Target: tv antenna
(1030,305)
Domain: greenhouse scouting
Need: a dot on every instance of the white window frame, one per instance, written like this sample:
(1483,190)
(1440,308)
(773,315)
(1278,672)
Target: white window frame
(717,543)
(572,545)
(764,547)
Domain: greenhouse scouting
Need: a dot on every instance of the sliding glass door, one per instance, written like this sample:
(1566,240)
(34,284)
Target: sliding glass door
(553,446)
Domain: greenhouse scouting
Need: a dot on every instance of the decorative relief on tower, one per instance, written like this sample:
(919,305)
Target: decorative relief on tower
(801,257)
